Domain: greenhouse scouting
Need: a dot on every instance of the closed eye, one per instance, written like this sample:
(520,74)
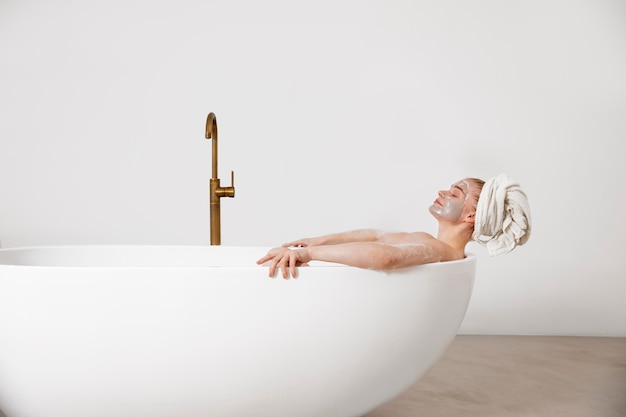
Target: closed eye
(457,192)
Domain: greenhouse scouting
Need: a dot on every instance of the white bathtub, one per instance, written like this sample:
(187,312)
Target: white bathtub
(150,331)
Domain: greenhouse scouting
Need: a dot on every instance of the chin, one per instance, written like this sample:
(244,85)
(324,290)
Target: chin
(434,212)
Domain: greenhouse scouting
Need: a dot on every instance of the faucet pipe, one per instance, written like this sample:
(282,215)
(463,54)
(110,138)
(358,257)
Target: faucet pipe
(216,191)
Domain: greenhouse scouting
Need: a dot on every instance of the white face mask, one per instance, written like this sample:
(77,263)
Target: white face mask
(450,204)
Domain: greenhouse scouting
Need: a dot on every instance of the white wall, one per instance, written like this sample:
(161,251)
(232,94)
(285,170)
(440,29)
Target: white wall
(334,115)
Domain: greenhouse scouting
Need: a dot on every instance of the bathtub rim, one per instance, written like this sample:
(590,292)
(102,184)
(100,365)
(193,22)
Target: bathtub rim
(470,258)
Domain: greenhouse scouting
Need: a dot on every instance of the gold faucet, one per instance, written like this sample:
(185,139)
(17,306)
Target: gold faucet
(216,191)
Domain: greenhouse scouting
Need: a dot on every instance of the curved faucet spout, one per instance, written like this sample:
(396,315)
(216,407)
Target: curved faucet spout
(210,132)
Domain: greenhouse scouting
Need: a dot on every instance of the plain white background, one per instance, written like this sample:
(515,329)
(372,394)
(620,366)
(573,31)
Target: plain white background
(334,115)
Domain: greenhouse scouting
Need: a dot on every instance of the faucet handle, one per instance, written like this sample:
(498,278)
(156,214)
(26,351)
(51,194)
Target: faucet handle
(230,191)
(223,191)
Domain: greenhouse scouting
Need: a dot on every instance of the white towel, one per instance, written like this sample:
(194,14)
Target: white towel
(502,216)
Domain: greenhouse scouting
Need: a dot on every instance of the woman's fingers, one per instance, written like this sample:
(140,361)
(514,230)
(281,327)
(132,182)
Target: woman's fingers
(285,260)
(288,263)
(264,259)
(293,259)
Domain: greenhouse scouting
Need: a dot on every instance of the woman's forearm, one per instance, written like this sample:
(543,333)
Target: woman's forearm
(374,255)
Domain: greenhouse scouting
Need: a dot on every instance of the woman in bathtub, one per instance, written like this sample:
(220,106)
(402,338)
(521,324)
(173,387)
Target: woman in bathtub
(495,214)
(454,209)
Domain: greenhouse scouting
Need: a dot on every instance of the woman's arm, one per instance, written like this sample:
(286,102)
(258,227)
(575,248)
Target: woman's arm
(362,235)
(369,255)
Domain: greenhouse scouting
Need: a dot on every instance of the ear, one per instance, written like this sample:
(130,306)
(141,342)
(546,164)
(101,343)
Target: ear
(471,218)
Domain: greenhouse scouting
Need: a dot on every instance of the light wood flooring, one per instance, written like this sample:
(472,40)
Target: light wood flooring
(519,376)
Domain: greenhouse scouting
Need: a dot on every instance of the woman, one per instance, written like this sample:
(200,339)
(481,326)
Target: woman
(454,209)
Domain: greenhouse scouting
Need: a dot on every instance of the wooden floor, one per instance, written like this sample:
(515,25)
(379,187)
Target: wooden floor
(519,376)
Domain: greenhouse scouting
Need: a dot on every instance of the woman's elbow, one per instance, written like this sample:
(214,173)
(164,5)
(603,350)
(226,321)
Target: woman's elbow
(385,262)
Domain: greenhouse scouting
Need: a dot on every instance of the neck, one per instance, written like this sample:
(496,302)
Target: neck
(455,235)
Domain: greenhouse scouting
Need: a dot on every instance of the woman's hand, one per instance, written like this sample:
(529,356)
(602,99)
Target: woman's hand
(286,260)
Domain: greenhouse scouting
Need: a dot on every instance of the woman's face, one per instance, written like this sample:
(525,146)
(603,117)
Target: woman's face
(450,204)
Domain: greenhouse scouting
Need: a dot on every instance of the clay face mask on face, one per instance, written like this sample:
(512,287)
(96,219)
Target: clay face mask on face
(451,207)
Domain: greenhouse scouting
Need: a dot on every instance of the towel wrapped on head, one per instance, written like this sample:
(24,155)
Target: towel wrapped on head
(502,216)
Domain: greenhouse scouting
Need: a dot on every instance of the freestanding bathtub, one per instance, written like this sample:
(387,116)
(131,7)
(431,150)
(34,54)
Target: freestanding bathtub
(151,331)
